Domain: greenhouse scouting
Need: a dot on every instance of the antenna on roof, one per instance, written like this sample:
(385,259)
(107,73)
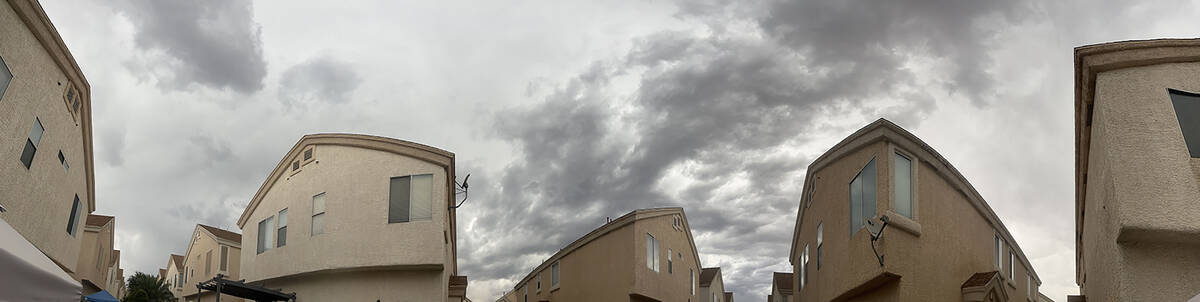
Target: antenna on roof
(461,188)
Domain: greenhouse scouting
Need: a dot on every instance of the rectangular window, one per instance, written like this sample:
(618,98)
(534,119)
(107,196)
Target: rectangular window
(692,279)
(820,240)
(800,273)
(1187,111)
(63,160)
(806,264)
(902,173)
(208,263)
(5,78)
(224,258)
(1012,266)
(554,275)
(862,197)
(1029,286)
(73,220)
(281,233)
(410,198)
(266,228)
(31,144)
(651,252)
(539,282)
(670,264)
(318,216)
(999,253)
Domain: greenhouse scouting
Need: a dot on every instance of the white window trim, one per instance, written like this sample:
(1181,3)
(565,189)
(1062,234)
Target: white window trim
(555,275)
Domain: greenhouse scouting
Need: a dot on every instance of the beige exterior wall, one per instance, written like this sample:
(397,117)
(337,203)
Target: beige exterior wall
(1139,232)
(95,256)
(926,258)
(714,292)
(358,243)
(176,286)
(200,269)
(612,265)
(39,199)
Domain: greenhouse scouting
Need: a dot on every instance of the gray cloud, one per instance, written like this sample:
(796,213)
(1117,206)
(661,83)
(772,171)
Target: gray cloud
(721,106)
(323,78)
(208,43)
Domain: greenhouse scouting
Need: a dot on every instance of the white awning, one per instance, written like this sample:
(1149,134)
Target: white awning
(28,274)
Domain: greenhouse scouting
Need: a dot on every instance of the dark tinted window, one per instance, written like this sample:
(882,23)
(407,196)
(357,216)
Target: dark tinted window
(74,216)
(307,154)
(5,78)
(862,197)
(398,199)
(1187,111)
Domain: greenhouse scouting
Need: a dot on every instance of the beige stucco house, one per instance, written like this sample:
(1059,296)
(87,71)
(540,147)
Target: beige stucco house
(212,251)
(1137,164)
(174,275)
(712,285)
(96,253)
(645,255)
(933,216)
(46,179)
(781,287)
(355,217)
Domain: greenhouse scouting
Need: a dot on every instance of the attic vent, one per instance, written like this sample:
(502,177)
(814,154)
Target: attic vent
(295,165)
(308,154)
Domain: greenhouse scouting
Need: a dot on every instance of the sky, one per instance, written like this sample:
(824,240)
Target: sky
(566,112)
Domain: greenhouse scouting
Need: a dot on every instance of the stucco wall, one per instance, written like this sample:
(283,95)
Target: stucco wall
(39,199)
(705,294)
(357,233)
(96,242)
(176,289)
(1141,238)
(955,239)
(370,285)
(662,285)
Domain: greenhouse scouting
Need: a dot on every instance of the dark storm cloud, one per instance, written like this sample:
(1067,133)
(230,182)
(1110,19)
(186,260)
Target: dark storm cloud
(209,43)
(723,106)
(323,78)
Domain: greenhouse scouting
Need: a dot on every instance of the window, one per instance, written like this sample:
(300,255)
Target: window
(902,174)
(1029,286)
(1012,266)
(820,240)
(999,253)
(670,268)
(651,252)
(281,233)
(63,160)
(224,258)
(318,216)
(805,280)
(5,78)
(539,282)
(208,263)
(73,220)
(31,144)
(411,198)
(266,228)
(554,275)
(308,154)
(1187,111)
(692,280)
(295,165)
(862,197)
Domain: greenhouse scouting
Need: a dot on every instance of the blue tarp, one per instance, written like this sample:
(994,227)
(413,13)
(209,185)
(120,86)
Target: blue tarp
(100,296)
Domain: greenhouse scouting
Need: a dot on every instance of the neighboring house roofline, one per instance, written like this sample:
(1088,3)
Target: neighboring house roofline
(708,274)
(885,130)
(177,261)
(432,155)
(782,282)
(1091,60)
(31,13)
(208,231)
(615,224)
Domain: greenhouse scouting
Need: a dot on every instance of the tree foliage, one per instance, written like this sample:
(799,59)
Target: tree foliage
(144,287)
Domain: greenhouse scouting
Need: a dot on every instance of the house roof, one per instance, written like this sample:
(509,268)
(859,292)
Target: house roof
(783,282)
(97,220)
(162,273)
(885,130)
(178,260)
(707,274)
(1091,60)
(980,279)
(624,220)
(223,234)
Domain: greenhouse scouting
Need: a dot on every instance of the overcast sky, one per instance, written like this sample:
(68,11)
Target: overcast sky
(567,112)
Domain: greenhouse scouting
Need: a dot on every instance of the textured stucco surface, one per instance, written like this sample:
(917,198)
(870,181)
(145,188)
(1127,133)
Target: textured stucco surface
(95,254)
(948,239)
(1140,237)
(357,234)
(39,199)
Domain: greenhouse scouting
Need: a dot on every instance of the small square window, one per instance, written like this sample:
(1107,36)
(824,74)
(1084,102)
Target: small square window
(295,165)
(308,154)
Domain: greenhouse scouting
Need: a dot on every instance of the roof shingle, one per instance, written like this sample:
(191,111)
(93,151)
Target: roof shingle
(223,234)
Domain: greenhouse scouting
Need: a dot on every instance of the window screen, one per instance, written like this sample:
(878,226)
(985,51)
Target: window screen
(224,258)
(318,217)
(1187,111)
(281,235)
(208,263)
(410,198)
(862,197)
(651,252)
(266,228)
(902,174)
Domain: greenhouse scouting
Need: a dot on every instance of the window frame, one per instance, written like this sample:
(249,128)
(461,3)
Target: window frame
(1182,100)
(312,226)
(999,251)
(652,261)
(855,226)
(405,213)
(31,146)
(281,228)
(8,82)
(223,263)
(820,242)
(555,275)
(73,220)
(913,166)
(265,244)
